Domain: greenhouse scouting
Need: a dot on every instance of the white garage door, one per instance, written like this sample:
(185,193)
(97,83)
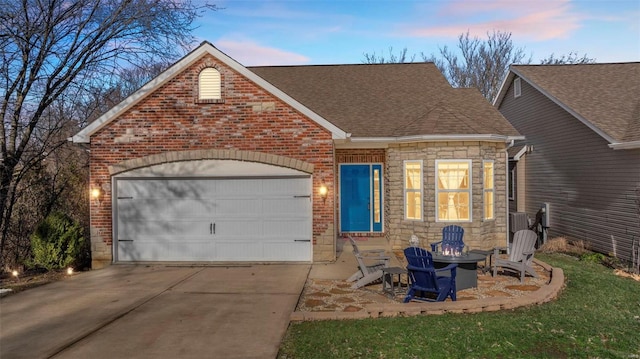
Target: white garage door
(241,219)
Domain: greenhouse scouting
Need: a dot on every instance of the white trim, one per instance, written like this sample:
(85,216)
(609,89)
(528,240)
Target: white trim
(503,88)
(625,145)
(405,191)
(517,87)
(436,138)
(469,191)
(524,150)
(492,190)
(84,136)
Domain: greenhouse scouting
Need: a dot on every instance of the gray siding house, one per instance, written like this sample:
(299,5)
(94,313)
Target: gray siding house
(581,155)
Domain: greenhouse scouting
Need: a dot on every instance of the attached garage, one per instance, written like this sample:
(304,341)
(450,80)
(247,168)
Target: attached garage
(213,211)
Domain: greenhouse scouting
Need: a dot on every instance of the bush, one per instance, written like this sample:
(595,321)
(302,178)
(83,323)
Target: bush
(593,257)
(57,242)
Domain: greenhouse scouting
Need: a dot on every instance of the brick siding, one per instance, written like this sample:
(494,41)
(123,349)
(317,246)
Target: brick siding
(246,120)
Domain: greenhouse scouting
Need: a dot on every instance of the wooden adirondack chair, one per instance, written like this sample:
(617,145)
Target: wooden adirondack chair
(370,264)
(451,239)
(520,254)
(424,278)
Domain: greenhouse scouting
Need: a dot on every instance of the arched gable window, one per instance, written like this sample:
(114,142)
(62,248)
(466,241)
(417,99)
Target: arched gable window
(209,85)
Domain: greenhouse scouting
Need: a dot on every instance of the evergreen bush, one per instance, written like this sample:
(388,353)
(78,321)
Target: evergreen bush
(57,242)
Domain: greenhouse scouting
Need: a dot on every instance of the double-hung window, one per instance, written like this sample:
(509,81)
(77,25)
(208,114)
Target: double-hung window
(453,190)
(413,190)
(488,189)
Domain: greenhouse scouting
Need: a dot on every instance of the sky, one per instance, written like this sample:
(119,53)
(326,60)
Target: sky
(298,32)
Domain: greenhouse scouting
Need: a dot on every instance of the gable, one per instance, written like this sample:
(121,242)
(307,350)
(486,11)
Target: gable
(205,49)
(602,96)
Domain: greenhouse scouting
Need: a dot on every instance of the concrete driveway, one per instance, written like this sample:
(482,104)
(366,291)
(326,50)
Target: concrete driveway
(127,311)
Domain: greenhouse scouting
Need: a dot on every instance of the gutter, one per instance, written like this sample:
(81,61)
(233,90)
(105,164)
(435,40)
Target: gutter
(625,145)
(437,138)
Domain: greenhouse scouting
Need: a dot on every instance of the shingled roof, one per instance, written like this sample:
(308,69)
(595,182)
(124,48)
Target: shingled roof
(604,95)
(382,102)
(388,100)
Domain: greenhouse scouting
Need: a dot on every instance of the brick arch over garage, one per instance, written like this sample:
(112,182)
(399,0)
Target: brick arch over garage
(212,154)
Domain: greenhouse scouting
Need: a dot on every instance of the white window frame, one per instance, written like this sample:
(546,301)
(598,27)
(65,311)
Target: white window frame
(212,79)
(406,191)
(517,88)
(485,190)
(469,190)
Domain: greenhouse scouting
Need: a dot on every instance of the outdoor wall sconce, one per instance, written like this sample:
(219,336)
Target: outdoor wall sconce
(96,193)
(323,191)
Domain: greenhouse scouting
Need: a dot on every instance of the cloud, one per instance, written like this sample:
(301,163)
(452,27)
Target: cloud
(536,20)
(249,53)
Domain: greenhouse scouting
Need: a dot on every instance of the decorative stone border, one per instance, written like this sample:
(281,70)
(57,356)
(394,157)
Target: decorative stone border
(543,295)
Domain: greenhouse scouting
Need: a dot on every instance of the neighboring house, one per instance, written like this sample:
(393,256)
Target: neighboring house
(582,149)
(214,161)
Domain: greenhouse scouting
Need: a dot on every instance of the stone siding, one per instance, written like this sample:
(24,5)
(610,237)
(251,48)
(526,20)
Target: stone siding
(479,234)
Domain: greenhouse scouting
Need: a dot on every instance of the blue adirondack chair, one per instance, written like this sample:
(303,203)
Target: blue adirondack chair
(451,240)
(418,257)
(424,281)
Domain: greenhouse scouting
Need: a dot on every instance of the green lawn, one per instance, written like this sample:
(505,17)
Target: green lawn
(597,315)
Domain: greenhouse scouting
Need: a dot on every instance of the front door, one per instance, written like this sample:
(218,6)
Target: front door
(361,198)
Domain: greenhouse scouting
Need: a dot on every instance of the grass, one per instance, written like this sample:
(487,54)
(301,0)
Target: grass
(597,315)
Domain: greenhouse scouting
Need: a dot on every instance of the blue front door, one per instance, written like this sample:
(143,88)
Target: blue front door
(361,198)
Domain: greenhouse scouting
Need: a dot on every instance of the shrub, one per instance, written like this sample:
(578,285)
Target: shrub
(57,242)
(593,257)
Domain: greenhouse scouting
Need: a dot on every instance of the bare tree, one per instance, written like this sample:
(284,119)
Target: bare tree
(393,58)
(480,63)
(53,52)
(571,58)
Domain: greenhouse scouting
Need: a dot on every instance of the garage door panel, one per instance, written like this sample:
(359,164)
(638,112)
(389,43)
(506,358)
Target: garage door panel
(167,189)
(234,207)
(135,229)
(239,251)
(286,206)
(238,228)
(164,209)
(286,251)
(240,187)
(284,228)
(166,251)
(289,186)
